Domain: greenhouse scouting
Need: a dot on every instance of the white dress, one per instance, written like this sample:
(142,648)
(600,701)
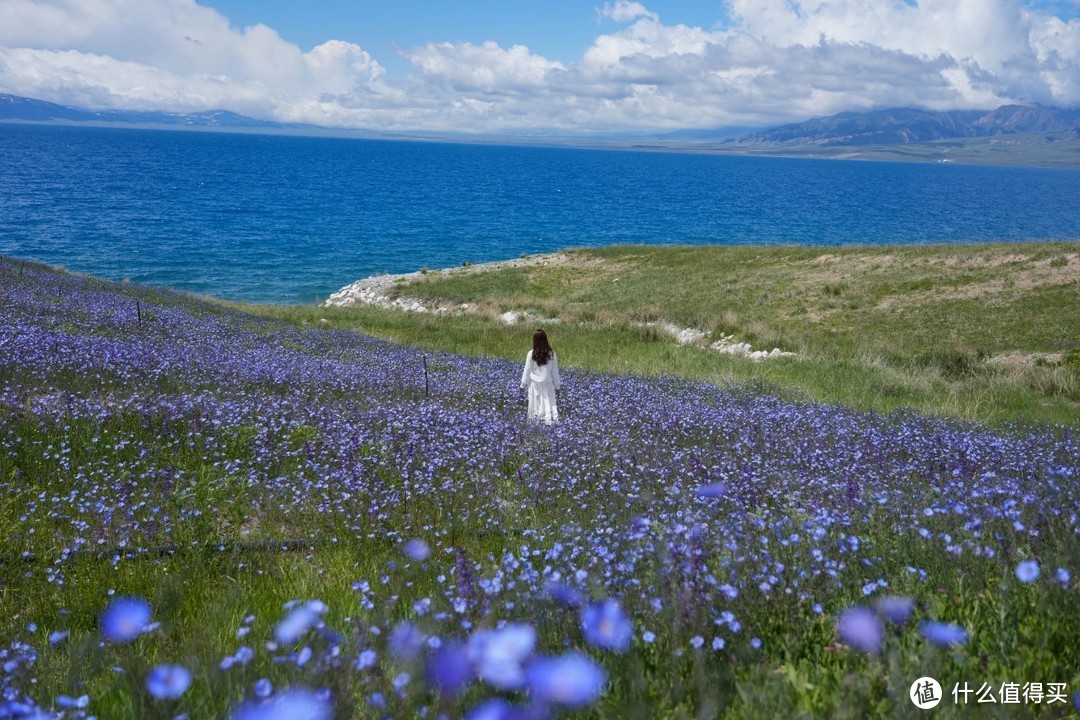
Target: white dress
(542,381)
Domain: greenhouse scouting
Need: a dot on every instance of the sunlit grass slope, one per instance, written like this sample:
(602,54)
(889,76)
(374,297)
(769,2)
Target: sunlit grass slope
(983,332)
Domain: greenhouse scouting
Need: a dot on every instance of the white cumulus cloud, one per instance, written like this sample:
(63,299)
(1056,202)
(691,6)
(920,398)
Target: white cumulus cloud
(164,54)
(771,61)
(484,68)
(625,11)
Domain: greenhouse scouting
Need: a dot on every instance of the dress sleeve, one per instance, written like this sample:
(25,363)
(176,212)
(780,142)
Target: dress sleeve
(525,372)
(555,371)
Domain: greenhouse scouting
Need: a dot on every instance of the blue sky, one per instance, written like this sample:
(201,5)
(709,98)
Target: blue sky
(541,67)
(556,29)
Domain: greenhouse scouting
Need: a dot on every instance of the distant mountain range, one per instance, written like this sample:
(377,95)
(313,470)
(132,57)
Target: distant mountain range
(900,126)
(1011,134)
(13,107)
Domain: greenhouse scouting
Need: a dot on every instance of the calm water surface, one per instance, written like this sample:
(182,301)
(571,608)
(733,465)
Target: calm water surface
(291,219)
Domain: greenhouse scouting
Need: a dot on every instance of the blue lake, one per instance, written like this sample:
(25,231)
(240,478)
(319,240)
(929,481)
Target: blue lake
(291,219)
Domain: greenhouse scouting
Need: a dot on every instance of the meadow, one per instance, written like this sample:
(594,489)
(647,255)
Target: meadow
(212,512)
(984,332)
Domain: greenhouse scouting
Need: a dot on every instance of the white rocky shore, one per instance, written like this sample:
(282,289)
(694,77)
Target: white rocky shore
(377,290)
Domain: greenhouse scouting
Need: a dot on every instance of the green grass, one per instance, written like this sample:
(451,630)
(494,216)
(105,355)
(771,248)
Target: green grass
(877,328)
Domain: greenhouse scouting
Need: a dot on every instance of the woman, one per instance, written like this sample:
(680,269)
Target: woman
(541,378)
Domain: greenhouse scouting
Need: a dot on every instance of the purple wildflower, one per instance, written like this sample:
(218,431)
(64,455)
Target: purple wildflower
(711,491)
(366,659)
(606,626)
(69,703)
(572,680)
(945,634)
(417,550)
(263,688)
(292,704)
(498,654)
(406,641)
(449,669)
(125,619)
(493,710)
(1027,571)
(860,628)
(295,624)
(896,609)
(168,682)
(564,594)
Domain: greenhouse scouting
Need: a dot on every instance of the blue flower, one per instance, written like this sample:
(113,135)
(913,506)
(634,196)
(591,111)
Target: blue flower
(406,641)
(292,704)
(861,629)
(263,688)
(168,682)
(366,659)
(572,680)
(1063,576)
(564,594)
(493,710)
(449,669)
(941,633)
(417,550)
(1027,571)
(295,625)
(498,654)
(125,619)
(711,491)
(69,703)
(896,608)
(606,626)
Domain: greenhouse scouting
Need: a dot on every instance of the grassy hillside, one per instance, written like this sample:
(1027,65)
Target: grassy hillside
(205,513)
(983,332)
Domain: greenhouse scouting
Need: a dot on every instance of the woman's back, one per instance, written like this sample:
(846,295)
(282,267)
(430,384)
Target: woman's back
(541,379)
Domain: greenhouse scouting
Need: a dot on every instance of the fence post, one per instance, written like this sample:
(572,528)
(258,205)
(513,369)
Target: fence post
(425,377)
(138,311)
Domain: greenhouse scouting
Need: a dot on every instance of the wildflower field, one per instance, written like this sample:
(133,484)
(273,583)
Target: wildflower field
(209,514)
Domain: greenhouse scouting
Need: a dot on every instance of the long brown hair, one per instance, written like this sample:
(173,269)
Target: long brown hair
(542,350)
